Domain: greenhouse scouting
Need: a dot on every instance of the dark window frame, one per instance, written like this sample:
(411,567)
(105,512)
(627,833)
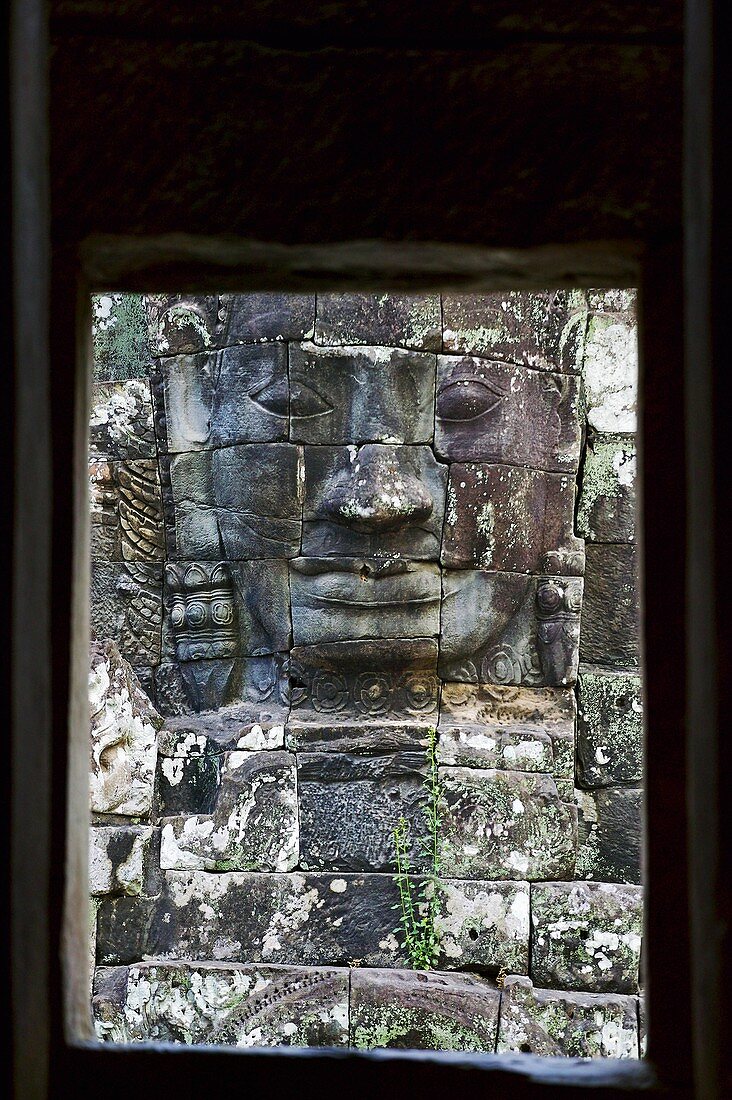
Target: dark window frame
(201,265)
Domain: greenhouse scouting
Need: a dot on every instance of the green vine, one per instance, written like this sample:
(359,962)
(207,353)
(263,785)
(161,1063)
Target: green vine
(419,902)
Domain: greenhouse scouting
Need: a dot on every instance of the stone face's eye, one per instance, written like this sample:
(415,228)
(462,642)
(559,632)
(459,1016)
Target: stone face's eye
(467,399)
(272,397)
(306,401)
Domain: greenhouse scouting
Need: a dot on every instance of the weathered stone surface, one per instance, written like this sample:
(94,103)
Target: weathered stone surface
(192,750)
(350,806)
(243,1006)
(507,518)
(227,609)
(237,503)
(522,729)
(126,510)
(516,326)
(606,507)
(493,412)
(422,1011)
(586,935)
(202,685)
(403,320)
(361,395)
(217,399)
(610,834)
(126,603)
(610,370)
(510,629)
(254,824)
(576,1025)
(484,926)
(181,324)
(368,681)
(116,858)
(121,420)
(187,687)
(269,316)
(314,919)
(610,613)
(506,825)
(374,499)
(119,337)
(340,599)
(609,728)
(353,735)
(123,725)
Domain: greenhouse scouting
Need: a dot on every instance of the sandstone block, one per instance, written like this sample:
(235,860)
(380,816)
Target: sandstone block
(422,1011)
(586,935)
(484,926)
(505,825)
(610,834)
(121,420)
(606,507)
(610,613)
(609,729)
(394,320)
(116,858)
(242,1006)
(575,1025)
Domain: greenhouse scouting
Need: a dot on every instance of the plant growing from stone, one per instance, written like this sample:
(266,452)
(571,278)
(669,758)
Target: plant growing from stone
(419,900)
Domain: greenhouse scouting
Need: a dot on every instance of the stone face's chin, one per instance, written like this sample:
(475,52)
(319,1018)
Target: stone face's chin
(343,599)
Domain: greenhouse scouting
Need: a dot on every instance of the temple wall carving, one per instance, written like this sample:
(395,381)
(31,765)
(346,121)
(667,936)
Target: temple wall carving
(331,536)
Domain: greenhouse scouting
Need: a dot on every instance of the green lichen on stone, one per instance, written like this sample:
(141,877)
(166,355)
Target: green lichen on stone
(407,1028)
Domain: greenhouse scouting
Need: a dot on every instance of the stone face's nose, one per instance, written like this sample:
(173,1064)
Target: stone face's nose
(379,493)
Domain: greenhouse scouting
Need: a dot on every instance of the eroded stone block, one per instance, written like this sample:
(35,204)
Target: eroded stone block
(226,609)
(126,603)
(350,806)
(315,919)
(180,324)
(586,935)
(484,926)
(507,518)
(509,629)
(354,735)
(610,613)
(576,1025)
(217,399)
(373,499)
(516,326)
(194,686)
(610,371)
(121,420)
(401,320)
(243,1006)
(367,680)
(609,729)
(521,729)
(122,736)
(489,411)
(610,834)
(253,826)
(506,825)
(269,316)
(606,507)
(237,503)
(361,394)
(341,599)
(116,858)
(126,510)
(422,1011)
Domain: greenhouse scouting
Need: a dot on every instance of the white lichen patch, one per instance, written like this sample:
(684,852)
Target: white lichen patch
(484,923)
(610,373)
(123,728)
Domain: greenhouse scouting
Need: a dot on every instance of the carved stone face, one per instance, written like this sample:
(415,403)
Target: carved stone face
(364,509)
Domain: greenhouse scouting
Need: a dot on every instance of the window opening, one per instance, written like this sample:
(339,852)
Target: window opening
(365,697)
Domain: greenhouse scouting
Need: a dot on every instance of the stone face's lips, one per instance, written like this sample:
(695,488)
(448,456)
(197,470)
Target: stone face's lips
(368,585)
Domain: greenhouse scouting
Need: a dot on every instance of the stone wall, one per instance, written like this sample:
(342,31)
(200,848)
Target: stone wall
(339,548)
